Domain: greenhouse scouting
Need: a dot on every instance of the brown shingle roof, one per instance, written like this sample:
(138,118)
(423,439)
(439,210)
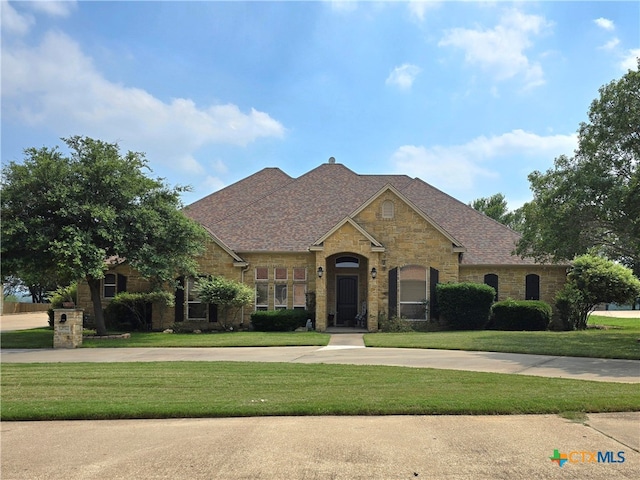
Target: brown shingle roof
(270,211)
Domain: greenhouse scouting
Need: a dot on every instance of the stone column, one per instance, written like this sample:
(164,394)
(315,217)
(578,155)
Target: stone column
(321,294)
(67,327)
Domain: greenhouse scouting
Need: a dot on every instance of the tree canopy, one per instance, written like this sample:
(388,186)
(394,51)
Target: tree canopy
(593,280)
(64,216)
(495,207)
(592,199)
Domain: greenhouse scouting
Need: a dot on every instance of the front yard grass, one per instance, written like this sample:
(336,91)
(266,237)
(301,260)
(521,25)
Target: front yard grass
(618,340)
(43,338)
(225,389)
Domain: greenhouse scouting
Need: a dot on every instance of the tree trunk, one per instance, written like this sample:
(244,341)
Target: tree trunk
(98,314)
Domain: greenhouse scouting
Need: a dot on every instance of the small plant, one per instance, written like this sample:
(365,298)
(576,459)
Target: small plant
(230,296)
(393,324)
(61,296)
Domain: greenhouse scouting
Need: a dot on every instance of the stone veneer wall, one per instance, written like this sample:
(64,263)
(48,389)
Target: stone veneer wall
(511,279)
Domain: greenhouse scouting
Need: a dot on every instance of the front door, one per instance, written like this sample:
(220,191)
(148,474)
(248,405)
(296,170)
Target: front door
(347,300)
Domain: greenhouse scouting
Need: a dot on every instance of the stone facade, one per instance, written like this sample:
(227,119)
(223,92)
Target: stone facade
(67,328)
(385,234)
(512,279)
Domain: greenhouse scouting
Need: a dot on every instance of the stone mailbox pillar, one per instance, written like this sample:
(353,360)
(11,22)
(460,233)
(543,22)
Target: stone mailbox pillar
(67,327)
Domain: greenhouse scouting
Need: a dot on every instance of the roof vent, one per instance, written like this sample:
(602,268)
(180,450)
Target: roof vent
(332,160)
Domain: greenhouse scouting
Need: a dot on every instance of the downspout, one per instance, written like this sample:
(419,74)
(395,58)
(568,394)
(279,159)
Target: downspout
(246,268)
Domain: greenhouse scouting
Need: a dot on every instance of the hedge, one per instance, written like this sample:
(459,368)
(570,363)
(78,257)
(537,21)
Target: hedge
(464,306)
(520,315)
(278,320)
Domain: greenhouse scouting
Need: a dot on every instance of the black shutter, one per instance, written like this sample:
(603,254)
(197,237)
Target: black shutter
(491,279)
(122,283)
(179,307)
(434,279)
(532,287)
(393,293)
(213,312)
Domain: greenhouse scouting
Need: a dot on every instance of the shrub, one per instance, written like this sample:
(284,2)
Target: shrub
(393,324)
(278,320)
(520,315)
(464,306)
(60,296)
(567,314)
(132,311)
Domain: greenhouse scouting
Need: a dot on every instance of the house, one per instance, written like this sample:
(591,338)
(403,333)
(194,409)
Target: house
(352,247)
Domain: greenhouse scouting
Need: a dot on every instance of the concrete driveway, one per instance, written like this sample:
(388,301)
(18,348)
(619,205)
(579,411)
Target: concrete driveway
(277,448)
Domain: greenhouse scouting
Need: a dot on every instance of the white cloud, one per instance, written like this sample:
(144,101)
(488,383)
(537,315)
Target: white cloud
(605,23)
(500,50)
(55,84)
(13,22)
(611,44)
(459,167)
(630,61)
(403,76)
(419,8)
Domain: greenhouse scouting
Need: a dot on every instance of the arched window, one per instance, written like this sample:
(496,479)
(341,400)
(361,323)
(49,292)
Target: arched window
(347,262)
(532,287)
(388,209)
(491,279)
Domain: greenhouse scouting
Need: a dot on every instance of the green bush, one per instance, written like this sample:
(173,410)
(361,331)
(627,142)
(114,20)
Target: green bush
(464,306)
(278,320)
(60,296)
(530,315)
(567,314)
(393,324)
(132,311)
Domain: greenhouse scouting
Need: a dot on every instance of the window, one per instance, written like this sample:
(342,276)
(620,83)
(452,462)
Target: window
(413,292)
(491,279)
(280,274)
(388,209)
(299,274)
(532,287)
(347,262)
(262,273)
(196,310)
(299,296)
(280,297)
(113,283)
(109,285)
(262,296)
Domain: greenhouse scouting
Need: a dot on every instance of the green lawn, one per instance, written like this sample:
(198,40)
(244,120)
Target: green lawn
(43,338)
(222,389)
(620,340)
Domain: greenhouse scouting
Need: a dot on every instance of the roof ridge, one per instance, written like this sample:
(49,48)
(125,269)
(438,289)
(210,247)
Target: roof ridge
(227,187)
(258,199)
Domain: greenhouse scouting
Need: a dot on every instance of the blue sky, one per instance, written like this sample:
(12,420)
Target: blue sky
(469,96)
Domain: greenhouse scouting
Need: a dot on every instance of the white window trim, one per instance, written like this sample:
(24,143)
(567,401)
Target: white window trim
(189,285)
(426,294)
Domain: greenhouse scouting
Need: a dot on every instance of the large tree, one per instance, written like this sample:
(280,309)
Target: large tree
(495,207)
(592,199)
(66,215)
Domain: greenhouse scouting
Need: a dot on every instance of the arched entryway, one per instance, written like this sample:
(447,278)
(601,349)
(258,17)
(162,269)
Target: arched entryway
(347,290)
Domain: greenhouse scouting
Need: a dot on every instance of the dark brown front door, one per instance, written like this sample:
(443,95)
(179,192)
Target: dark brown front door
(347,300)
